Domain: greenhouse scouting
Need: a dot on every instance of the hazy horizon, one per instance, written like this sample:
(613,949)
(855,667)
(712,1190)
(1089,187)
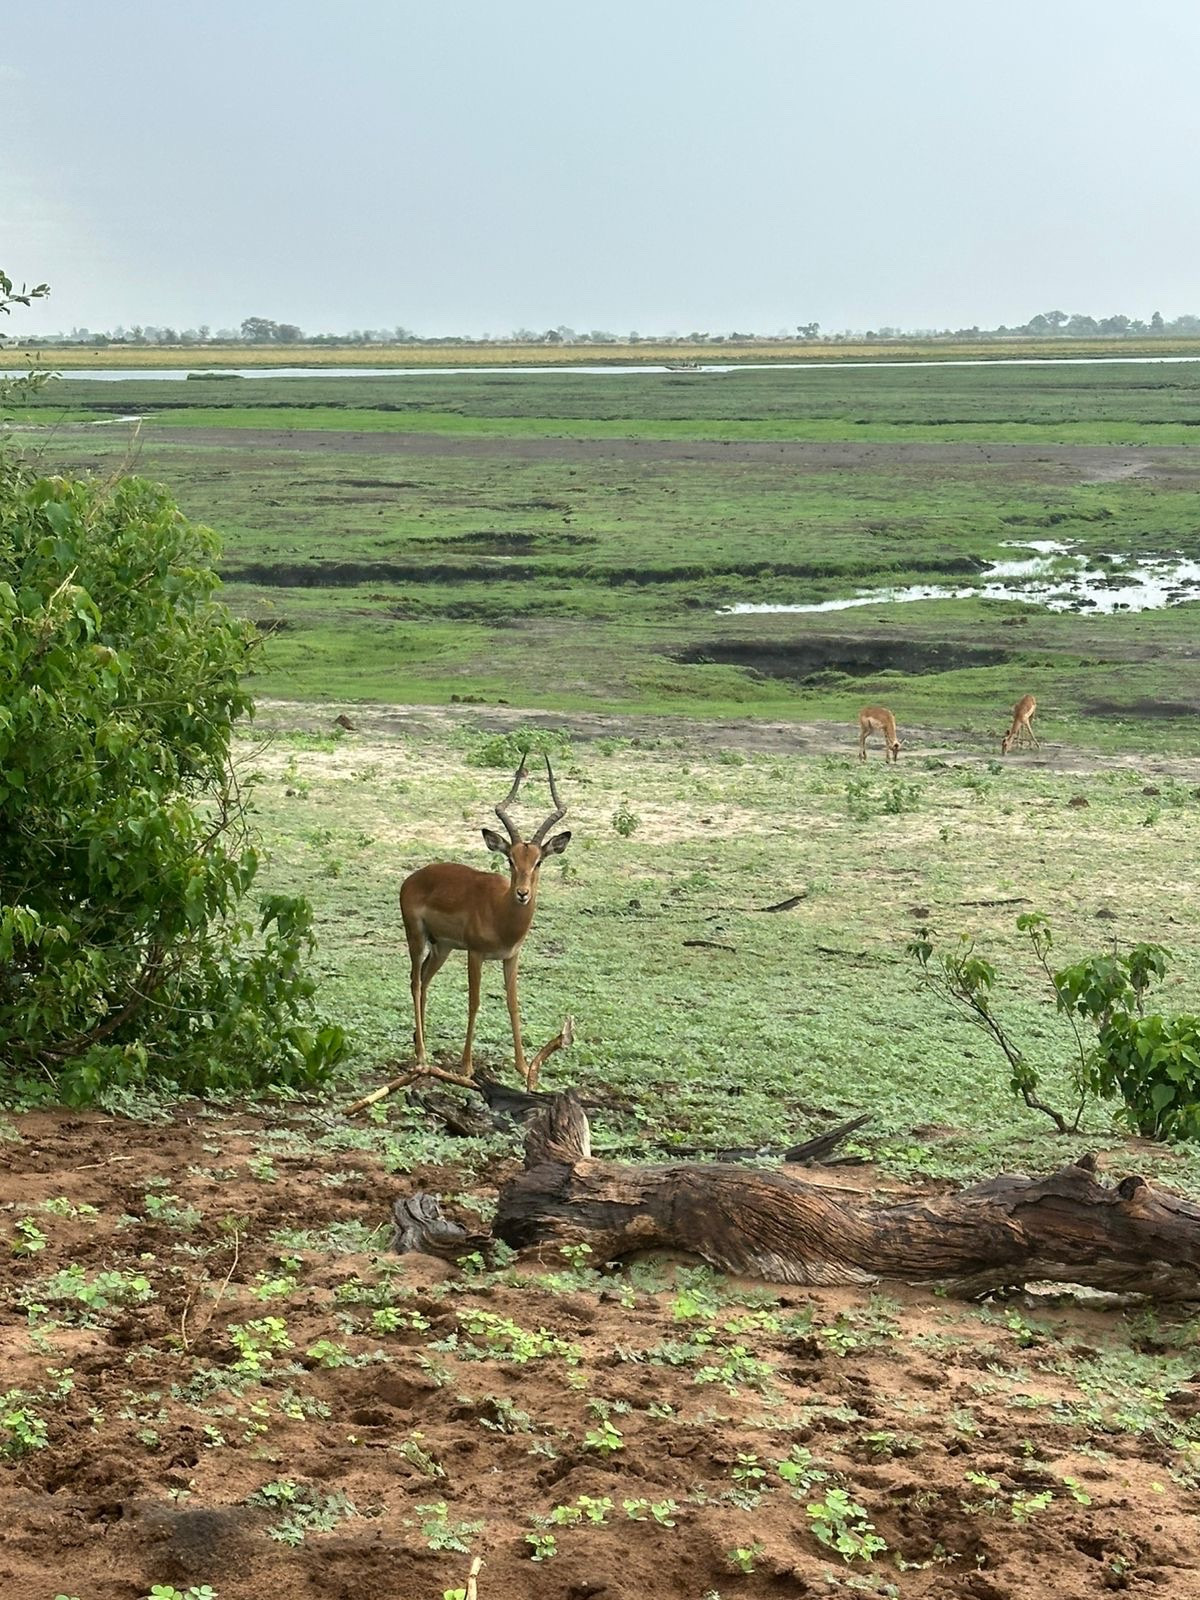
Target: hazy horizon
(658,167)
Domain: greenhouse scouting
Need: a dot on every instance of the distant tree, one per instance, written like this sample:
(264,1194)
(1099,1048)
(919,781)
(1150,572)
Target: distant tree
(1117,324)
(1045,323)
(202,332)
(287,333)
(808,330)
(258,330)
(1080,326)
(1156,322)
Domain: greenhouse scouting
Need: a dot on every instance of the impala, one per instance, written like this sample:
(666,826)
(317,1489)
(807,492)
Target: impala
(1021,720)
(448,907)
(878,719)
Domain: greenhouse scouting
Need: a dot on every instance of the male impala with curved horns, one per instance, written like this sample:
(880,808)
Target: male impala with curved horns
(1021,726)
(448,907)
(878,719)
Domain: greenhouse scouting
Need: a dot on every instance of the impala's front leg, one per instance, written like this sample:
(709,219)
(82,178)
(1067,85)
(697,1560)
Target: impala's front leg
(514,1013)
(474,975)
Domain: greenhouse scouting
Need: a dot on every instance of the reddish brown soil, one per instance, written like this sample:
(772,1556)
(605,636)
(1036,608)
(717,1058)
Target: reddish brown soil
(130,1491)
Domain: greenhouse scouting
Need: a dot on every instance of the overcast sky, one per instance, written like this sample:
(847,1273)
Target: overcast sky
(474,166)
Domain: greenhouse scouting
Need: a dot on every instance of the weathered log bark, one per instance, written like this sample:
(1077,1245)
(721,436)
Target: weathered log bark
(1070,1227)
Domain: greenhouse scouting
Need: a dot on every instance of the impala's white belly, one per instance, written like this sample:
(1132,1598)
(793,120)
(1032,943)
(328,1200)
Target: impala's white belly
(457,941)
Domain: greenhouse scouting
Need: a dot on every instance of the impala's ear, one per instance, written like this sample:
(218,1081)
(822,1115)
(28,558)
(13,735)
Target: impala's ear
(495,843)
(556,846)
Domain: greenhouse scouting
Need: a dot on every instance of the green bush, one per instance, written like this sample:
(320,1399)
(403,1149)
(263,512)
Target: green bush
(125,955)
(506,749)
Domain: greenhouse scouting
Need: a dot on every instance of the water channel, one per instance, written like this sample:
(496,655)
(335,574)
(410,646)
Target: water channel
(1052,576)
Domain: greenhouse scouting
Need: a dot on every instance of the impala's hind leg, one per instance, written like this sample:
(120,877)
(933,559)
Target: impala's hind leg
(418,948)
(435,959)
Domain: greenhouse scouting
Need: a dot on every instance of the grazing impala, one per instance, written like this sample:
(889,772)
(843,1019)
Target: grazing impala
(1021,725)
(451,907)
(878,719)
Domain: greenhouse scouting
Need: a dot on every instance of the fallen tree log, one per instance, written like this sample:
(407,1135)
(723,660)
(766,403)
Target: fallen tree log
(1069,1227)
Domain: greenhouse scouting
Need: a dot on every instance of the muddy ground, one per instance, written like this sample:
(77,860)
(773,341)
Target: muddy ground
(1174,465)
(159,1441)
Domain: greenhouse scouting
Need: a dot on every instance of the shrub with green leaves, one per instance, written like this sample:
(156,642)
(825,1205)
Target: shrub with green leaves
(1149,1062)
(507,749)
(126,957)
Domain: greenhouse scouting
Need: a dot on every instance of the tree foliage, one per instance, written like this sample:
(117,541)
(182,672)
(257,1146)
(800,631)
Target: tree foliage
(125,856)
(11,294)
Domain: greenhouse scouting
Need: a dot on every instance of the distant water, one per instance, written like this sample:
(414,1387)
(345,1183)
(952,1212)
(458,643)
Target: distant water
(154,374)
(1051,577)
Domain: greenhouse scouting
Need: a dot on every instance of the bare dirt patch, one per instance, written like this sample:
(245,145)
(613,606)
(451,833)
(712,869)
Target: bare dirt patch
(391,1438)
(750,734)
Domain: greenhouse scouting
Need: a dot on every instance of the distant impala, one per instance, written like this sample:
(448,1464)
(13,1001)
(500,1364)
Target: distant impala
(878,719)
(1021,726)
(448,907)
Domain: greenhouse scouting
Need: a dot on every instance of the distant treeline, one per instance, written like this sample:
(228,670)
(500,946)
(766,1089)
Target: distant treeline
(263,331)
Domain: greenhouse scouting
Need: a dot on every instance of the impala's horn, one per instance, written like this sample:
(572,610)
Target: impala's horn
(501,810)
(556,815)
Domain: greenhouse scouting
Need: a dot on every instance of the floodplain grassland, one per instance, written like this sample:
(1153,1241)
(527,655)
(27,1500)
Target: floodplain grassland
(571,541)
(218,1375)
(649,352)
